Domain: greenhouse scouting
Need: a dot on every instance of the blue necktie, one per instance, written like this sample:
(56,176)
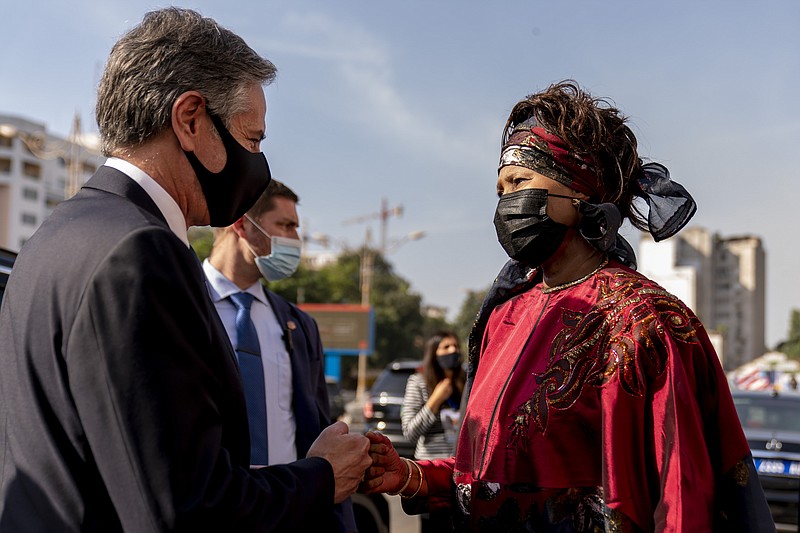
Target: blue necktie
(248,352)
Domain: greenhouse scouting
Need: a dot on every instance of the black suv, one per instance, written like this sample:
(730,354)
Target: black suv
(771,423)
(7,258)
(385,402)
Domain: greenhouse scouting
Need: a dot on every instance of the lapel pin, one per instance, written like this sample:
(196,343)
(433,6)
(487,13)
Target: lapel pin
(287,335)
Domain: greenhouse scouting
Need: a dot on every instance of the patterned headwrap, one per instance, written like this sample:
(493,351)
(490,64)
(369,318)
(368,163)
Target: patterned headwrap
(670,204)
(530,146)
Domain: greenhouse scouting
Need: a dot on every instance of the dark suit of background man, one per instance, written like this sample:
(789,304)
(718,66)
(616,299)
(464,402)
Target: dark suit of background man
(121,405)
(264,243)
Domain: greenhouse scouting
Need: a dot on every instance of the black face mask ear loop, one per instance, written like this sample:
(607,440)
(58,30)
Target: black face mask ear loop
(576,203)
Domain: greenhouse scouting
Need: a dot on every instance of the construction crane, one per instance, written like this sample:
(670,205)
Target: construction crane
(383,215)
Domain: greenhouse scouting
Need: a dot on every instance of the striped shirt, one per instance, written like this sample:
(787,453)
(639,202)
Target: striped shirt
(423,426)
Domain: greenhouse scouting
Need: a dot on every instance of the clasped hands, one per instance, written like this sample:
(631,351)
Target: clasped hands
(348,454)
(389,472)
(367,463)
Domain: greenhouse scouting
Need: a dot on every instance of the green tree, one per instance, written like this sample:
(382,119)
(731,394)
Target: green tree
(791,346)
(201,239)
(432,325)
(398,317)
(468,313)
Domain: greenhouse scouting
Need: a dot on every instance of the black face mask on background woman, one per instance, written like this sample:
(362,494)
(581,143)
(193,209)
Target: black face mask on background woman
(523,228)
(449,361)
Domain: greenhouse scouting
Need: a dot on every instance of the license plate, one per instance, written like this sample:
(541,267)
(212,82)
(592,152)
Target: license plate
(780,467)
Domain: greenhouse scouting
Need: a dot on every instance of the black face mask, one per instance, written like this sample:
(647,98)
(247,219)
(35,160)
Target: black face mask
(233,190)
(450,361)
(523,228)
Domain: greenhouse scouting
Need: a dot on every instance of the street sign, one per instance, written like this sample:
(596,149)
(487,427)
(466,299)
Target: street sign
(345,329)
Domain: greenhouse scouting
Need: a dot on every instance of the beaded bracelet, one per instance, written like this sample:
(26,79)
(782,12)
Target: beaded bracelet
(407,480)
(419,487)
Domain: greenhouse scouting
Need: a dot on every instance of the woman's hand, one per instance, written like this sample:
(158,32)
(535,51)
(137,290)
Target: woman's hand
(388,472)
(440,394)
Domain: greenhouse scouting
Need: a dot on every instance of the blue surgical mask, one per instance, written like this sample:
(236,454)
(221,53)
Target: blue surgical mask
(283,259)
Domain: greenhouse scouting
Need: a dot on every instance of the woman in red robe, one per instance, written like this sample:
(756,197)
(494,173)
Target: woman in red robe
(596,400)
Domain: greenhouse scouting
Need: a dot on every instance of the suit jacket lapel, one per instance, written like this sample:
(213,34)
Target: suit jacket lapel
(113,181)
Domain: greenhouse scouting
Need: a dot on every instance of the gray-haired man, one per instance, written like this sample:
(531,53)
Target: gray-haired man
(121,406)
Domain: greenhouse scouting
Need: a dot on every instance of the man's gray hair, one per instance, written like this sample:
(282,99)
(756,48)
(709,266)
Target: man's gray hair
(172,51)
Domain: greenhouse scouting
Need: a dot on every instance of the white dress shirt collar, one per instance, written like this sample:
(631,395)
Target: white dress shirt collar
(221,287)
(165,203)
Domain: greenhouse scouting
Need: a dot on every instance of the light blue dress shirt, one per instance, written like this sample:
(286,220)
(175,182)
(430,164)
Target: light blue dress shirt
(281,426)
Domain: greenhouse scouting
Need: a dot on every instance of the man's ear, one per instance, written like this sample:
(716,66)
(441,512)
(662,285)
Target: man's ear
(187,111)
(238,227)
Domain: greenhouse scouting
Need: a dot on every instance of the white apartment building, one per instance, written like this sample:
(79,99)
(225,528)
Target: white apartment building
(721,279)
(37,170)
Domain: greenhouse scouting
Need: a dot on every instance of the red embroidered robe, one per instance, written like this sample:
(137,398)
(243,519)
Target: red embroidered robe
(602,406)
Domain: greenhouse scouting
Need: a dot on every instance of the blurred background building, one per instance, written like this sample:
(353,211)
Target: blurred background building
(721,279)
(37,171)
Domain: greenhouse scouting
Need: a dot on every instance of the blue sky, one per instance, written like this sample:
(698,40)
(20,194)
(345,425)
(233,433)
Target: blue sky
(406,101)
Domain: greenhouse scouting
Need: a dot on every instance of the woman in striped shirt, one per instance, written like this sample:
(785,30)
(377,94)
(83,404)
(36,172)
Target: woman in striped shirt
(433,397)
(431,410)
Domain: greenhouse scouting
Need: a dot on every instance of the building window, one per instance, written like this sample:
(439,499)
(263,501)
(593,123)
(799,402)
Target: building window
(30,194)
(28,219)
(31,170)
(6,142)
(5,165)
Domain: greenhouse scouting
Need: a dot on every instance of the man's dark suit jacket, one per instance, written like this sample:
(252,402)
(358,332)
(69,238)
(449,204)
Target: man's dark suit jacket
(121,406)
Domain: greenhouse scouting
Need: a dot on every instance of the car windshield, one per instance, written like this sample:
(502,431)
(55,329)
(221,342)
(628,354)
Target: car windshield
(393,383)
(766,413)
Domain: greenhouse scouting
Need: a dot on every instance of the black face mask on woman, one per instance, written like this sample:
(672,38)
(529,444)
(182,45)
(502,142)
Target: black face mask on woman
(233,190)
(523,228)
(449,361)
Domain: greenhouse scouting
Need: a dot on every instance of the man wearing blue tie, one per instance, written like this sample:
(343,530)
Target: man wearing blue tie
(277,345)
